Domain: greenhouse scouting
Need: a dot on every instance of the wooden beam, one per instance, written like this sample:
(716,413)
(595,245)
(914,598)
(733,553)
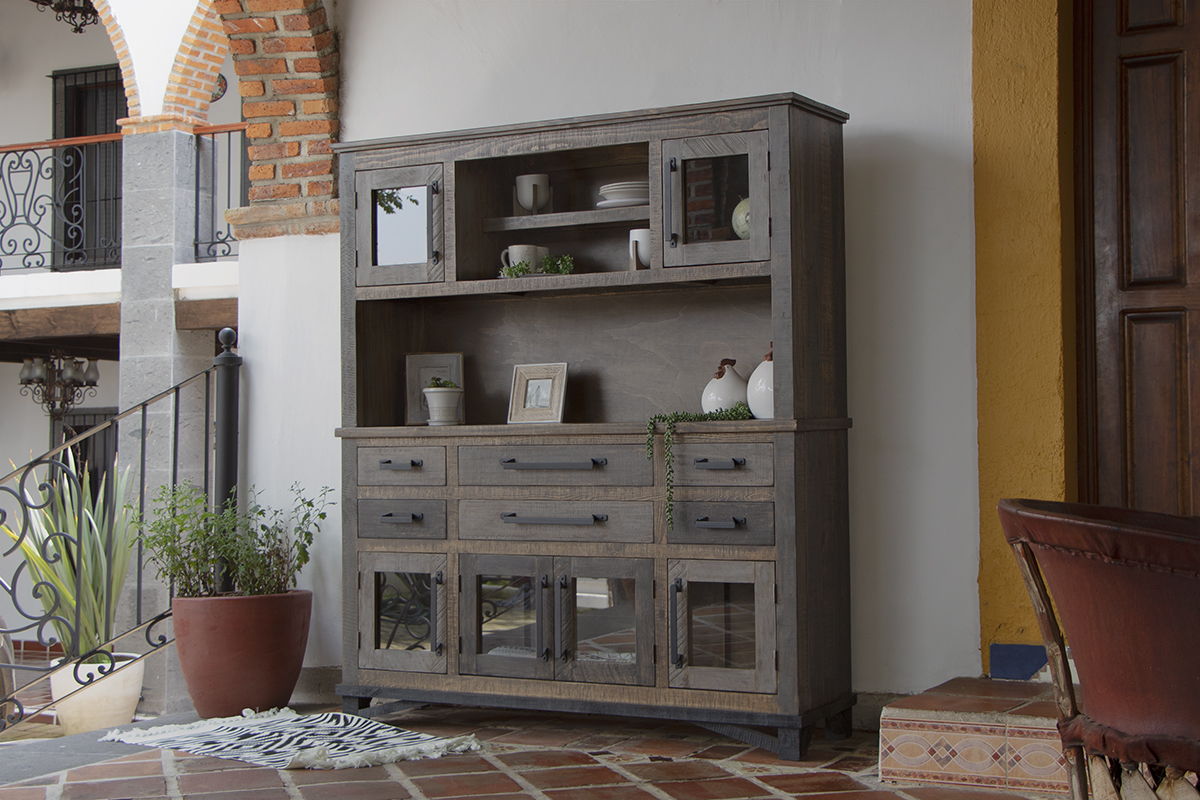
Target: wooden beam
(60,321)
(200,315)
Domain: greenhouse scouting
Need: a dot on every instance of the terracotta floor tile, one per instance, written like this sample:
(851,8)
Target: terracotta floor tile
(985,687)
(193,764)
(712,789)
(451,765)
(955,793)
(870,794)
(1039,708)
(229,780)
(674,748)
(468,785)
(117,769)
(956,703)
(304,777)
(542,737)
(854,763)
(543,759)
(278,793)
(677,771)
(106,790)
(145,755)
(521,796)
(625,791)
(809,782)
(359,790)
(721,751)
(568,777)
(22,793)
(815,757)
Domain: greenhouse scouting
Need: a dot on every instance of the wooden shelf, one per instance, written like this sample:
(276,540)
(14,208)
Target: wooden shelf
(569,219)
(746,426)
(752,271)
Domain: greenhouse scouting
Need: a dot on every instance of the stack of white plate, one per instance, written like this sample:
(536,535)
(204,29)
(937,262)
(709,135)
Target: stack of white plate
(624,193)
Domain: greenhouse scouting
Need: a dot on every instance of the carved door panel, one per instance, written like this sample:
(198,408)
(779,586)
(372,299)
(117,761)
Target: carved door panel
(1139,209)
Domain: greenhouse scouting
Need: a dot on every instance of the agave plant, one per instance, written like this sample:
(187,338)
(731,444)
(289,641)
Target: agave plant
(77,541)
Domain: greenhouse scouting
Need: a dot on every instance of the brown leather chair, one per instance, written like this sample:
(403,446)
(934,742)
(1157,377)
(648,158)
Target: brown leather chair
(1125,587)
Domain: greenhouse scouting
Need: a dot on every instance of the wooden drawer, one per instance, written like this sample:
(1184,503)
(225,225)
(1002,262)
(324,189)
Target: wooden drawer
(723,523)
(402,466)
(554,465)
(402,519)
(712,464)
(556,521)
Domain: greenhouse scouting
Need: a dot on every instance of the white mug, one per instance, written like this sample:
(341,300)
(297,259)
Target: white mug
(531,189)
(529,253)
(639,248)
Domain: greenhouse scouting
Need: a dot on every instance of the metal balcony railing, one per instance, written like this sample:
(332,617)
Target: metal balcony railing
(60,204)
(221,184)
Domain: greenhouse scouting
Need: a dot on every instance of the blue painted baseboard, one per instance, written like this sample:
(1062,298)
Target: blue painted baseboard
(1016,662)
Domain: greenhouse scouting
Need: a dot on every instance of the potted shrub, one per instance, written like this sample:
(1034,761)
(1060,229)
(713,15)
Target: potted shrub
(77,543)
(444,398)
(241,626)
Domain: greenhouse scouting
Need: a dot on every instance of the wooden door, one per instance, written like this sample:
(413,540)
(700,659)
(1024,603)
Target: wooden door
(400,231)
(402,611)
(604,611)
(505,616)
(1139,154)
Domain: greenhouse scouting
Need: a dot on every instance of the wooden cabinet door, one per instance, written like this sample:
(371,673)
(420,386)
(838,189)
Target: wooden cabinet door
(722,625)
(399,229)
(506,618)
(705,181)
(605,620)
(402,611)
(1140,309)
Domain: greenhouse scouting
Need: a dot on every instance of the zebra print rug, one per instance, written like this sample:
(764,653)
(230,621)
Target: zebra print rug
(283,739)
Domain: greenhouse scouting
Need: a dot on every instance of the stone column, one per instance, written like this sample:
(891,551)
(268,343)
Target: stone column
(158,232)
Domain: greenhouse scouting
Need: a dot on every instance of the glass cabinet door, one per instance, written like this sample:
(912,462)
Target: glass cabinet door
(722,625)
(605,613)
(399,225)
(402,608)
(716,199)
(506,616)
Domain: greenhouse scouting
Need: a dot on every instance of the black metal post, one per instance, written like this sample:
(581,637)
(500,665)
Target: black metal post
(225,469)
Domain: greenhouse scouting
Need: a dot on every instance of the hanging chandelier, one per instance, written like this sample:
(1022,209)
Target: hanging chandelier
(76,13)
(58,382)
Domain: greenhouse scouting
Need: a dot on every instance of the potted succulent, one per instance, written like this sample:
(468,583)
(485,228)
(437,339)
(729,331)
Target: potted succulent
(241,626)
(444,399)
(77,541)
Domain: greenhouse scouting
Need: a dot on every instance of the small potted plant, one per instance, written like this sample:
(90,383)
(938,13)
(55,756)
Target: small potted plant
(444,398)
(77,542)
(241,626)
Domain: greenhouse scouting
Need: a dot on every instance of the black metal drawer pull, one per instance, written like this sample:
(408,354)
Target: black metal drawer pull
(401,519)
(732,522)
(673,619)
(720,463)
(591,463)
(434,637)
(402,466)
(513,518)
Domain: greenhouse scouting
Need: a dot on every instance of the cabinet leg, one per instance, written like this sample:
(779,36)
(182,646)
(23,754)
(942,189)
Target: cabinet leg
(792,743)
(840,725)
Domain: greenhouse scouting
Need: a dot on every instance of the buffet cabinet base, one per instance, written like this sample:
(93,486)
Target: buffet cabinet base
(787,736)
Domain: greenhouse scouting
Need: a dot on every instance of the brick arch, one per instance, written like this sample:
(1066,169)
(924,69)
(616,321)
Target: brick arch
(286,59)
(197,65)
(117,36)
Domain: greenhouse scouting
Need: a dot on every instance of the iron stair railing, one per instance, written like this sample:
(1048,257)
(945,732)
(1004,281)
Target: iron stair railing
(36,605)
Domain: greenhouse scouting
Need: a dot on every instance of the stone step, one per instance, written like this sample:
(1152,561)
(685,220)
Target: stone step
(975,732)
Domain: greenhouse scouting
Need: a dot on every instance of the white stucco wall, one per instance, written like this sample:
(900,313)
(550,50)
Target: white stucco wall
(902,70)
(289,323)
(32,45)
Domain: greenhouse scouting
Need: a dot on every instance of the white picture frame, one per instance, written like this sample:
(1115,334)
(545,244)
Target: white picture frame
(537,393)
(419,368)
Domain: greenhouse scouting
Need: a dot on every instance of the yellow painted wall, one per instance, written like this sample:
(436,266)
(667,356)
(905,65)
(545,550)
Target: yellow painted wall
(1024,283)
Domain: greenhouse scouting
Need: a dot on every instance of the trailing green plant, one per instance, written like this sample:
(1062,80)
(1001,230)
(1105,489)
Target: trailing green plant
(516,270)
(442,383)
(550,265)
(256,548)
(78,541)
(669,420)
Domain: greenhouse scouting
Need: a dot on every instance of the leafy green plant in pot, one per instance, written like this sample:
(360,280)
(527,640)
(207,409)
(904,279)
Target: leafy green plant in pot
(77,541)
(239,647)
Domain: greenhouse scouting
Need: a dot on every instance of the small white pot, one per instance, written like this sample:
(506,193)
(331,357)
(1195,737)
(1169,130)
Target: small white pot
(760,391)
(108,702)
(445,406)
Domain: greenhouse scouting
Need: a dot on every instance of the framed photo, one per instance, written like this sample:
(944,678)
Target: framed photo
(419,369)
(537,393)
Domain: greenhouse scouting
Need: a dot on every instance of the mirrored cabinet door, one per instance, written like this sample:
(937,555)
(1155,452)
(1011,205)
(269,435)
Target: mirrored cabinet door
(722,625)
(605,612)
(716,199)
(399,226)
(402,611)
(506,616)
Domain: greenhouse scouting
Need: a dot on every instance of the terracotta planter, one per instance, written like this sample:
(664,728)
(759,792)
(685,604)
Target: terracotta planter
(241,652)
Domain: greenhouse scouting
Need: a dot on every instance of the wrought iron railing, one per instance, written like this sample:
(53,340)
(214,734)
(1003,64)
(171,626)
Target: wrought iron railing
(221,184)
(61,546)
(60,204)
